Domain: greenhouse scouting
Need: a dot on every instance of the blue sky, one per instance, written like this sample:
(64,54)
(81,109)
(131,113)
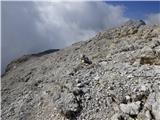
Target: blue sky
(138,9)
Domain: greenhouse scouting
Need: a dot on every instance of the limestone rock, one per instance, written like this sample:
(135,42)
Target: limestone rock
(68,105)
(116,78)
(131,108)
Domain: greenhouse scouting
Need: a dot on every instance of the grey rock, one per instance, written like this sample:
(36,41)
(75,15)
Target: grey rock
(85,59)
(131,108)
(118,78)
(147,52)
(68,105)
(146,115)
(156,110)
(135,23)
(77,91)
(120,116)
(153,104)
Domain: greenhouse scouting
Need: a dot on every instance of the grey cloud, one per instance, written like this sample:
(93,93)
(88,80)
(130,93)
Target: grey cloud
(19,34)
(29,27)
(153,19)
(72,21)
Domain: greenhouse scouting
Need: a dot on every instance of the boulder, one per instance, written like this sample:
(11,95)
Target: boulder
(131,108)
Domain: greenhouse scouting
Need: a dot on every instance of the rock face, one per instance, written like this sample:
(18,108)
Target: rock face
(113,76)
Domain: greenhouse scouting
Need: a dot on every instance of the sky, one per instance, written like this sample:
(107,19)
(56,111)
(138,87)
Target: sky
(31,27)
(139,9)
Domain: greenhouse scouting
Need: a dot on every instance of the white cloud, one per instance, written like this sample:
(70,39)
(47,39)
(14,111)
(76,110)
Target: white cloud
(153,19)
(66,22)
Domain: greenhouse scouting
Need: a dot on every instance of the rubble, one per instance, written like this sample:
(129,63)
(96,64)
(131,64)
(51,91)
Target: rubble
(113,76)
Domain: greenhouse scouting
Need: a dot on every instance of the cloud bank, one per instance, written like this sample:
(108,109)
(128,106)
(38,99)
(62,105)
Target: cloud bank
(30,27)
(19,33)
(153,19)
(66,23)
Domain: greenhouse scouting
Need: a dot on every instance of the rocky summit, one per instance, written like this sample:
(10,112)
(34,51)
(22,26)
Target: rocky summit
(112,76)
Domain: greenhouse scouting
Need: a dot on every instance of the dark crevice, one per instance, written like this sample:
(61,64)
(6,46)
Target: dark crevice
(133,116)
(141,106)
(121,117)
(152,116)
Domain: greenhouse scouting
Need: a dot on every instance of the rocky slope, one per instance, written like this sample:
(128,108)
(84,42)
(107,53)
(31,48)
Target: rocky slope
(113,76)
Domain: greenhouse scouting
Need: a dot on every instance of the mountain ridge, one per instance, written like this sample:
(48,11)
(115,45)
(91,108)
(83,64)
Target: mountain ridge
(114,75)
(24,58)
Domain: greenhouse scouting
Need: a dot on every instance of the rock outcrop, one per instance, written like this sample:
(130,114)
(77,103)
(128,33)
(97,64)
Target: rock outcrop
(113,76)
